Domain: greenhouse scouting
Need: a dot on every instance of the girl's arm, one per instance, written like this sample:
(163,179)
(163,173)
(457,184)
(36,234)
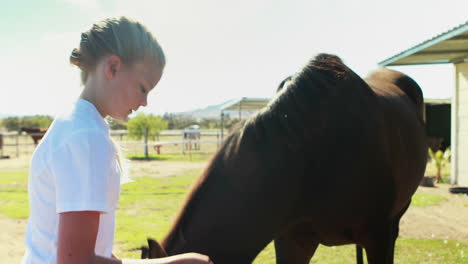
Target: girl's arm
(77,239)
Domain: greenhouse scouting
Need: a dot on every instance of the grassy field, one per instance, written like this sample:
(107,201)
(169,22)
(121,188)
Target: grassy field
(148,205)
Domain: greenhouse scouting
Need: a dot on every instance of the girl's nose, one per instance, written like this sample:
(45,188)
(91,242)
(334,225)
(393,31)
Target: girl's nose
(145,101)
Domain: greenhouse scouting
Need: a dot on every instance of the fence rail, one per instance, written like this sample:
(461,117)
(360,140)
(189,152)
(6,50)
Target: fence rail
(167,142)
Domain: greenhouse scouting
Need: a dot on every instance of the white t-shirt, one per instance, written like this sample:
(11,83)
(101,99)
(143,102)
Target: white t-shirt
(74,168)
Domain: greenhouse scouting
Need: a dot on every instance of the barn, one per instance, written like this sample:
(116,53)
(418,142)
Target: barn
(240,105)
(450,47)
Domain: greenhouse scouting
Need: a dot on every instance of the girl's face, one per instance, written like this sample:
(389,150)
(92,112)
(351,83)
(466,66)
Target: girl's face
(130,89)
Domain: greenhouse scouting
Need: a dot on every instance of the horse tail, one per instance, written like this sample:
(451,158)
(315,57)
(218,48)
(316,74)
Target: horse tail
(411,88)
(413,91)
(405,83)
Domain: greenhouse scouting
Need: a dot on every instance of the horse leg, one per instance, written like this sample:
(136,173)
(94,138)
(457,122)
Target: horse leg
(380,244)
(359,256)
(381,247)
(293,248)
(396,230)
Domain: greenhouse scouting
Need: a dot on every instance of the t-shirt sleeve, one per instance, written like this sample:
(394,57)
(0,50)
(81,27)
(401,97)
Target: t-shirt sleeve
(83,168)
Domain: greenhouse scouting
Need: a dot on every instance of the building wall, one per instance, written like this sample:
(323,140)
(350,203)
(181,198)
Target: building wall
(460,123)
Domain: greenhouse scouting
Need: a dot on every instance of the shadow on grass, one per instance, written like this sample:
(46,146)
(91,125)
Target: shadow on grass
(172,157)
(151,157)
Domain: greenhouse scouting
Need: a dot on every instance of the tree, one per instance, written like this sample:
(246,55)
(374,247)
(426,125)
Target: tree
(145,126)
(115,124)
(11,123)
(210,123)
(231,122)
(178,121)
(37,121)
(440,159)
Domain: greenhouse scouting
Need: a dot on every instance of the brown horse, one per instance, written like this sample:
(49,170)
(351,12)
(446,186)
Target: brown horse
(35,133)
(332,160)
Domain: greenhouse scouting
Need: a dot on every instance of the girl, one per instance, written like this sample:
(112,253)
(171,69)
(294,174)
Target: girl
(74,181)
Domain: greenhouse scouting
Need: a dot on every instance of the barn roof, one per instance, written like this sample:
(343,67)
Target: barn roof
(448,47)
(245,103)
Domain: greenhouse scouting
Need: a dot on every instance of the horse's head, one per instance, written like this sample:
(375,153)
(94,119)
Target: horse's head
(154,250)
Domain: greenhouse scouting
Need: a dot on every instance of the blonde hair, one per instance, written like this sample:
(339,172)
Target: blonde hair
(124,37)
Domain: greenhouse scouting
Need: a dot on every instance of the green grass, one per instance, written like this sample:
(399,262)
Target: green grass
(424,199)
(407,251)
(13,176)
(147,207)
(14,193)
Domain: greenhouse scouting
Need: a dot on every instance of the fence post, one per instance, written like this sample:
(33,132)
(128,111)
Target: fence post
(146,142)
(222,125)
(17,145)
(183,142)
(1,146)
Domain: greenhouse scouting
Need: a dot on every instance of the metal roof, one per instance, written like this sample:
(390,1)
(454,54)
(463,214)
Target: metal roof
(448,47)
(437,101)
(245,103)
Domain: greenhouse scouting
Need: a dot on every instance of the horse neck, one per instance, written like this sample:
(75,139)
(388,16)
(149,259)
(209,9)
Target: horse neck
(202,212)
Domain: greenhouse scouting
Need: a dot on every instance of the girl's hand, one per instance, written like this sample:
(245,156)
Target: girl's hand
(190,258)
(187,258)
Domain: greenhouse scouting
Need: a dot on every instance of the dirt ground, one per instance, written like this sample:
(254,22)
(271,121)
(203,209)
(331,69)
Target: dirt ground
(448,220)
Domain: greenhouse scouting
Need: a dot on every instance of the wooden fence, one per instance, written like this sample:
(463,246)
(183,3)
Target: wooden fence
(168,142)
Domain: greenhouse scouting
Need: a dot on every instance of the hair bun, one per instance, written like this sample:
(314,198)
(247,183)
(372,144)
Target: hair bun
(75,57)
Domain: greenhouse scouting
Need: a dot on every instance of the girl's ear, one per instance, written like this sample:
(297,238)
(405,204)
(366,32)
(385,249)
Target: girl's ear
(112,65)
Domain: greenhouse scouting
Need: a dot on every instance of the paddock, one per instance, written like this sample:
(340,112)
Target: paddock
(169,142)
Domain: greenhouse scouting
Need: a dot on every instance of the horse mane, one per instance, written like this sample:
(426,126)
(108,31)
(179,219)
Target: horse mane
(296,113)
(284,123)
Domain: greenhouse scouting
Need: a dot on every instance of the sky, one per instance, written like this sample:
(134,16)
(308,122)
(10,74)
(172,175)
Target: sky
(216,50)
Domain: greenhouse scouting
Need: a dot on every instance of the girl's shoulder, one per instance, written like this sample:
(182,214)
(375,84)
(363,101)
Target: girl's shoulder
(82,119)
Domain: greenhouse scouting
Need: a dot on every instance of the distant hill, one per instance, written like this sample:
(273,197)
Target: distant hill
(211,111)
(214,111)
